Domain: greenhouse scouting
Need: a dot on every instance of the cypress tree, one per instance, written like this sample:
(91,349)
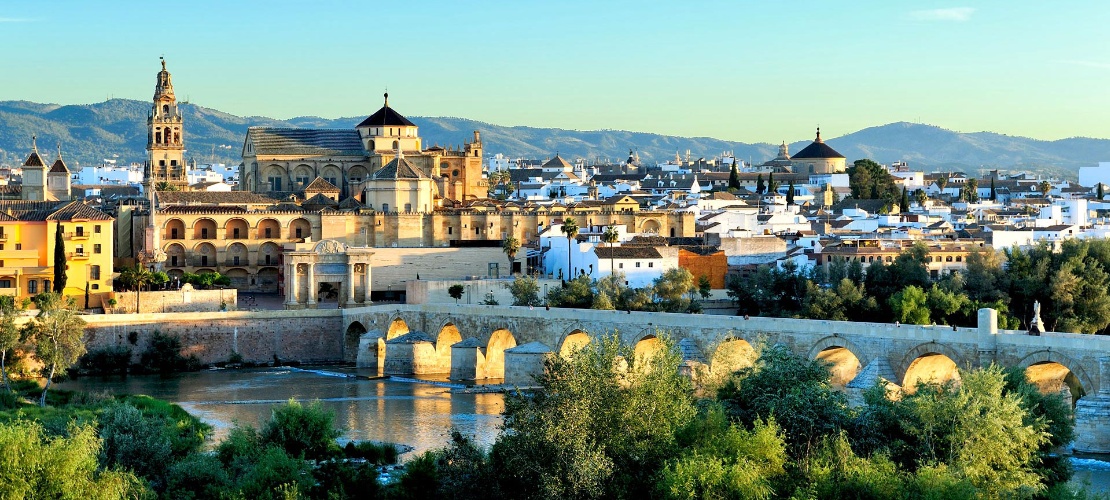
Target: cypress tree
(993,195)
(734,177)
(904,205)
(59,260)
(1101,192)
(760,187)
(790,194)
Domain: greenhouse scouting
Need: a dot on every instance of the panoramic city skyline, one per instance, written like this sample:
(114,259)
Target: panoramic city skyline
(747,72)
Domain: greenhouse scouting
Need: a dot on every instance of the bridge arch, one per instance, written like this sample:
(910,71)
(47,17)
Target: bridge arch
(647,347)
(351,338)
(397,327)
(572,341)
(1051,371)
(930,362)
(447,336)
(500,340)
(731,354)
(842,356)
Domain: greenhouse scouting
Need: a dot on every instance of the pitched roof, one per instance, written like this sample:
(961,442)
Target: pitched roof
(627,253)
(305,141)
(816,150)
(350,203)
(213,198)
(320,184)
(51,210)
(320,200)
(557,162)
(386,117)
(59,167)
(399,168)
(34,160)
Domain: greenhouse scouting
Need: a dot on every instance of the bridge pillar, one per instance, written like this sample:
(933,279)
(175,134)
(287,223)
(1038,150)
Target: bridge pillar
(524,364)
(371,350)
(413,353)
(1092,415)
(877,371)
(468,360)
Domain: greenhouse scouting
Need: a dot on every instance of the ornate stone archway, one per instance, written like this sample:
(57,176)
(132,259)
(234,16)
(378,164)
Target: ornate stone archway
(311,263)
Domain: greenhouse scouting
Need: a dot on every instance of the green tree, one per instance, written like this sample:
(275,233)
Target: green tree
(942,182)
(672,288)
(772,186)
(9,334)
(525,291)
(1079,296)
(134,442)
(723,460)
(165,186)
(994,194)
(610,236)
(57,332)
(760,187)
(904,202)
(577,293)
(456,292)
(301,431)
(38,466)
(794,391)
(983,278)
(920,197)
(59,285)
(971,190)
(570,229)
(790,193)
(602,426)
(511,246)
(869,180)
(134,278)
(705,287)
(1044,187)
(1101,191)
(733,177)
(910,307)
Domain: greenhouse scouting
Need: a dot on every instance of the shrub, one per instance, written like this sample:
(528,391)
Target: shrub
(379,453)
(163,355)
(275,472)
(106,361)
(302,431)
(198,476)
(133,441)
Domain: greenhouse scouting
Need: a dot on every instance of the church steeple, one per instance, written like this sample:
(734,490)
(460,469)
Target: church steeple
(818,140)
(165,136)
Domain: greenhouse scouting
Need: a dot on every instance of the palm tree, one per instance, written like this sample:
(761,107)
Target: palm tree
(610,236)
(570,228)
(511,246)
(165,186)
(1045,187)
(136,277)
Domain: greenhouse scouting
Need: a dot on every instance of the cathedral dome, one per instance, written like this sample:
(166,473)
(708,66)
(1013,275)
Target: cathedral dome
(817,150)
(386,117)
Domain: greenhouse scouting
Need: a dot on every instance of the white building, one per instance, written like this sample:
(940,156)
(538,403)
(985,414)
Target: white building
(110,174)
(1092,176)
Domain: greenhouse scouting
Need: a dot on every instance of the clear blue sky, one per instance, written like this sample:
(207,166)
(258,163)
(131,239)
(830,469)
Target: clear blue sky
(738,70)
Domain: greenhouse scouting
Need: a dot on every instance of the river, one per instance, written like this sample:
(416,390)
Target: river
(409,413)
(414,414)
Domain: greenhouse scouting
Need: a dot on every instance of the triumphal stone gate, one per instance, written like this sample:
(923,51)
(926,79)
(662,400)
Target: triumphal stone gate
(319,271)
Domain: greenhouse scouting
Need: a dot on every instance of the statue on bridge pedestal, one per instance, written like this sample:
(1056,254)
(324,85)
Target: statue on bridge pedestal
(1036,327)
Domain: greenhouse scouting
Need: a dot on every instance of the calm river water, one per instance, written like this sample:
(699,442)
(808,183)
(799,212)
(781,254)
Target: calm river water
(414,414)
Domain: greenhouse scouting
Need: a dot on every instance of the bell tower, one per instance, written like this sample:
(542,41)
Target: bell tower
(165,143)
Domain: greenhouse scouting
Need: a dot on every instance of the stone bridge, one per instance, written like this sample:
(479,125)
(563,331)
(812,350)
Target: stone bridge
(494,342)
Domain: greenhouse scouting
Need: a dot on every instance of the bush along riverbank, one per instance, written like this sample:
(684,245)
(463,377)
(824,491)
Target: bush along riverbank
(83,445)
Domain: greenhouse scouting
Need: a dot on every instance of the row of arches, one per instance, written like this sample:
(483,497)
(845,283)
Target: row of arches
(236,228)
(930,362)
(299,176)
(234,254)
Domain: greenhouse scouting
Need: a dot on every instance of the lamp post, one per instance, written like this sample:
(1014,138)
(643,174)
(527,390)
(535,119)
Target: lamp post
(545,294)
(468,294)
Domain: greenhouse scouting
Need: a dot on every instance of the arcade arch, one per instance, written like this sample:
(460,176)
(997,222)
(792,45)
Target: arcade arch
(573,342)
(268,229)
(300,229)
(397,327)
(732,354)
(205,254)
(175,229)
(351,339)
(930,367)
(204,229)
(448,336)
(236,229)
(645,350)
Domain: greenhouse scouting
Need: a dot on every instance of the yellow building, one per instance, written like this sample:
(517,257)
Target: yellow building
(27,236)
(818,158)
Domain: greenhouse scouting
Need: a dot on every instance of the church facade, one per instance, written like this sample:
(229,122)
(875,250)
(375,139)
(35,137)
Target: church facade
(279,162)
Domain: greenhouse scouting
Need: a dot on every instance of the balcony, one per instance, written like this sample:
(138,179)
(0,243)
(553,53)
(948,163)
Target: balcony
(77,236)
(3,237)
(77,255)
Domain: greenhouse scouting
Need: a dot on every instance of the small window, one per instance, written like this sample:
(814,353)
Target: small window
(5,283)
(651,264)
(408,207)
(948,258)
(450,229)
(268,232)
(19,246)
(204,233)
(96,286)
(204,260)
(32,286)
(235,233)
(173,260)
(298,231)
(96,229)
(235,260)
(959,258)
(80,231)
(267,259)
(637,264)
(173,234)
(620,266)
(94,272)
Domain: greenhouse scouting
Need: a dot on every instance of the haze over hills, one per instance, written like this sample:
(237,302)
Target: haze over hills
(90,133)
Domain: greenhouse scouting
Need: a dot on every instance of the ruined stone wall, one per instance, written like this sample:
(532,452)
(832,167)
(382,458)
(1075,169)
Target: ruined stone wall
(170,301)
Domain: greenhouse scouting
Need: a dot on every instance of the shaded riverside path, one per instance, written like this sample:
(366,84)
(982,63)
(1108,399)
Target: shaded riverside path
(413,414)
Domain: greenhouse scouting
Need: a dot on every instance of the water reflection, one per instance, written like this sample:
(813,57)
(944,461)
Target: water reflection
(418,415)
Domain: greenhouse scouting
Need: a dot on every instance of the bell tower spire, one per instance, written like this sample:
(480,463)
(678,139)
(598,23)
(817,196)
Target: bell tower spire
(165,143)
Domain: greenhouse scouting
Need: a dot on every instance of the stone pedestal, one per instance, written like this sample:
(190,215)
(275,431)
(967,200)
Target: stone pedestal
(413,353)
(524,364)
(468,360)
(1092,415)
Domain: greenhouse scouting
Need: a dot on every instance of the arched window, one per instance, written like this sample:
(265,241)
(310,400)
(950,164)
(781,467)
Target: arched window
(372,145)
(395,144)
(158,136)
(165,108)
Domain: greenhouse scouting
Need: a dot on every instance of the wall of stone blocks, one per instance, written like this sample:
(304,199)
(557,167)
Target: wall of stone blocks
(170,301)
(309,336)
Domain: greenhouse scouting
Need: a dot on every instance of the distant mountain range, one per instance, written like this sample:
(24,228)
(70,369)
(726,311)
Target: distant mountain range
(92,132)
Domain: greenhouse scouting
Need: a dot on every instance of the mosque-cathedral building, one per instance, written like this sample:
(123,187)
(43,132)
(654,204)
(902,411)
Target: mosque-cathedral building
(375,185)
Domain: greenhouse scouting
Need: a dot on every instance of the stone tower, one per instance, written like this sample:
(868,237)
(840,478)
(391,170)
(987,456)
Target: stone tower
(58,180)
(165,142)
(34,175)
